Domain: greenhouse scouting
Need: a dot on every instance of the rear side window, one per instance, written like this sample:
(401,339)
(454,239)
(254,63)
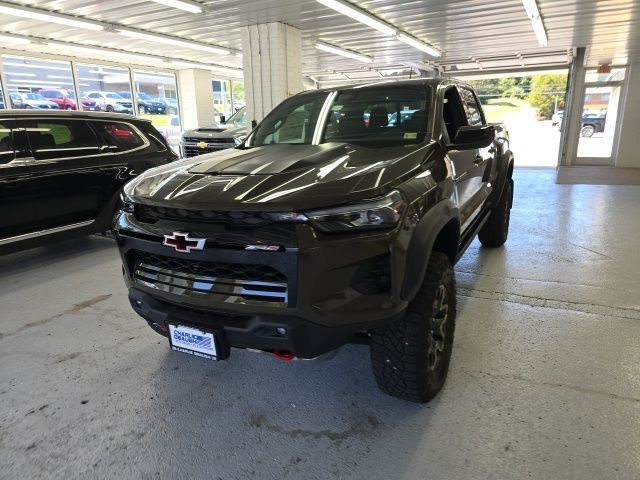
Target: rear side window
(61,139)
(119,136)
(474,117)
(6,143)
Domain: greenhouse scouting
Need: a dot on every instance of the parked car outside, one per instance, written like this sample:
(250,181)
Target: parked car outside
(110,101)
(60,96)
(63,177)
(146,103)
(319,230)
(556,118)
(170,105)
(228,134)
(66,99)
(31,100)
(592,123)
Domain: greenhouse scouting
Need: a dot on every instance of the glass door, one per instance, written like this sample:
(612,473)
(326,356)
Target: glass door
(599,121)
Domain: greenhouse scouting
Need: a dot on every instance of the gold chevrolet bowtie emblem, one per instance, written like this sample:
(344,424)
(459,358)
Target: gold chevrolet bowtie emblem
(202,144)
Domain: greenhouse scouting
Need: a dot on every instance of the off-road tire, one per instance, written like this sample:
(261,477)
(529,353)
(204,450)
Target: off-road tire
(402,353)
(495,231)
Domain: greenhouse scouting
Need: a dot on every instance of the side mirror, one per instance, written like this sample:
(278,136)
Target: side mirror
(477,136)
(254,124)
(223,119)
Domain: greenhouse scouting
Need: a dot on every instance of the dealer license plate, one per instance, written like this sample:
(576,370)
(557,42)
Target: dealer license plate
(193,341)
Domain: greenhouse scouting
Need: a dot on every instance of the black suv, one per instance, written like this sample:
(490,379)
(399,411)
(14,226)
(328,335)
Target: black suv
(339,219)
(61,173)
(229,134)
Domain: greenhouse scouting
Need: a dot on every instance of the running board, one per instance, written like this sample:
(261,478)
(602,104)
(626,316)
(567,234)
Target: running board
(40,233)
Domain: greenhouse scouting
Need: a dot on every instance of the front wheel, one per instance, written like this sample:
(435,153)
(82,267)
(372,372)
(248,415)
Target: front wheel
(587,131)
(410,357)
(110,108)
(142,109)
(495,231)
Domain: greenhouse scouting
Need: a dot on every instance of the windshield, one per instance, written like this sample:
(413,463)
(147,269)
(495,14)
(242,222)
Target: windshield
(238,119)
(33,96)
(114,96)
(382,116)
(144,96)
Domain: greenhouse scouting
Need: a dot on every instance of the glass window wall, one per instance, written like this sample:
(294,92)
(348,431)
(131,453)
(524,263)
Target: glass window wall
(38,84)
(104,89)
(157,100)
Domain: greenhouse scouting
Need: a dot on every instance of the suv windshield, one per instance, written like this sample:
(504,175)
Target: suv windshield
(382,116)
(238,119)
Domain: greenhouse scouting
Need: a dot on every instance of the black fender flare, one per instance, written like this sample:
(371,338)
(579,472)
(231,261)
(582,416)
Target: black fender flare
(422,242)
(505,171)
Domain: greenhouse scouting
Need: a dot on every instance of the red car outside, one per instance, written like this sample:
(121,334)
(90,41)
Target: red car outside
(66,99)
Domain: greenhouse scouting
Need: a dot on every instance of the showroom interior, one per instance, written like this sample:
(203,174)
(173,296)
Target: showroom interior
(544,376)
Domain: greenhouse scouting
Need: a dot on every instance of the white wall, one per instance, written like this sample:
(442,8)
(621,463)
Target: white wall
(272,66)
(196,98)
(629,146)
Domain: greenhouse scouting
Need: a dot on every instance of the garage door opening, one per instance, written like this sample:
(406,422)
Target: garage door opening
(531,106)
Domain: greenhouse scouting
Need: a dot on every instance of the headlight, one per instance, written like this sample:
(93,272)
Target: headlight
(383,212)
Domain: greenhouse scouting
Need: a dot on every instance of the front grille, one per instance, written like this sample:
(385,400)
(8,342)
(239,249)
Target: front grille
(221,282)
(210,140)
(151,214)
(193,151)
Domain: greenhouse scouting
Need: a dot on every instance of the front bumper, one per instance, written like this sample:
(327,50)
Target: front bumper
(330,295)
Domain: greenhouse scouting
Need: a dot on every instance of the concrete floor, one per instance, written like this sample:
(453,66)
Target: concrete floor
(544,381)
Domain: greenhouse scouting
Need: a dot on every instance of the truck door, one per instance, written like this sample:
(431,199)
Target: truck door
(16,199)
(65,171)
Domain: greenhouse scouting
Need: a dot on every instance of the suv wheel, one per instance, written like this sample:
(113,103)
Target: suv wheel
(587,131)
(495,231)
(109,108)
(142,109)
(410,357)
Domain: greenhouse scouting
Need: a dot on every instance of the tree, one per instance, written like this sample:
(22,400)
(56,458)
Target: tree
(545,89)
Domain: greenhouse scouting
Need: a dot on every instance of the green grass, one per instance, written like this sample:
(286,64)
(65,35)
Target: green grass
(495,109)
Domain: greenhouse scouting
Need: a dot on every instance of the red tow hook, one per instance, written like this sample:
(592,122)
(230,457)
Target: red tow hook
(284,355)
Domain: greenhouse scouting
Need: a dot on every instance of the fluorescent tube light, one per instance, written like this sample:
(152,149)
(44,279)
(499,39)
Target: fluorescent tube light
(415,43)
(361,16)
(107,53)
(533,13)
(18,74)
(50,17)
(191,7)
(205,66)
(341,51)
(14,40)
(150,37)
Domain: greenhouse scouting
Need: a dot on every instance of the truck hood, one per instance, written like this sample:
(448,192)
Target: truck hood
(279,177)
(215,131)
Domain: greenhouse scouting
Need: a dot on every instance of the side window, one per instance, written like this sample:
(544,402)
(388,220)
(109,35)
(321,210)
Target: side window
(6,143)
(51,139)
(454,115)
(118,136)
(474,115)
